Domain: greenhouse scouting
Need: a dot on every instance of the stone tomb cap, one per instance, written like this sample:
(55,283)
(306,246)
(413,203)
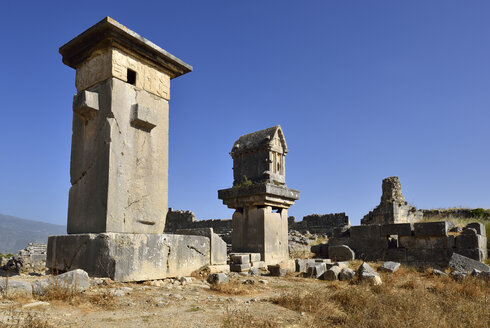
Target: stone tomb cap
(258,139)
(110,33)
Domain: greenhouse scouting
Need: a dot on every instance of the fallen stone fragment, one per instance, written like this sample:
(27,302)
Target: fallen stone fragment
(389,267)
(439,273)
(254,271)
(15,288)
(316,270)
(35,304)
(217,278)
(464,264)
(332,274)
(185,280)
(366,273)
(76,280)
(346,274)
(341,253)
(276,270)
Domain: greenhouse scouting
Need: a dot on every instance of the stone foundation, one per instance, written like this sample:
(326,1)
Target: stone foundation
(129,257)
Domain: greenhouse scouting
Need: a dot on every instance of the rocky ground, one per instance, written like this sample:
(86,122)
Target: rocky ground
(406,298)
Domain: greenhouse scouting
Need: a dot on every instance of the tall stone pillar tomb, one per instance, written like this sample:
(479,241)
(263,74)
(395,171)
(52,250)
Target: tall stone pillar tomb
(119,154)
(119,163)
(259,195)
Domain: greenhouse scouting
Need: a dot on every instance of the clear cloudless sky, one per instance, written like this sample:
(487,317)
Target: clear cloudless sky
(363,90)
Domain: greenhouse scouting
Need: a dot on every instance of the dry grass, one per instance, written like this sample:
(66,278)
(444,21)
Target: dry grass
(57,292)
(22,320)
(243,319)
(233,287)
(405,299)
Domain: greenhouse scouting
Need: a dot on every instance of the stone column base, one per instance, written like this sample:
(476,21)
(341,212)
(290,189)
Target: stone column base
(129,257)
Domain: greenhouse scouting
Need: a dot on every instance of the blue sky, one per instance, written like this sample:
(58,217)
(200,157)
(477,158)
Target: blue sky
(363,90)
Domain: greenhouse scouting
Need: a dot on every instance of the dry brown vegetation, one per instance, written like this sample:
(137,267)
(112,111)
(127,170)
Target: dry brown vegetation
(233,287)
(405,299)
(244,319)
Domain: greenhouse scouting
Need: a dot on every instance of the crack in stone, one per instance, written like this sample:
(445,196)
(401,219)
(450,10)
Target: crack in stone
(195,249)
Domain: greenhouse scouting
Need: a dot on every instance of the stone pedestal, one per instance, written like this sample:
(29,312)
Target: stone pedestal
(129,257)
(260,222)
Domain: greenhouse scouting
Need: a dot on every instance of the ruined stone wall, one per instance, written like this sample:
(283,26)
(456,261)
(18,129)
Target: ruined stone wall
(464,213)
(423,243)
(179,219)
(328,224)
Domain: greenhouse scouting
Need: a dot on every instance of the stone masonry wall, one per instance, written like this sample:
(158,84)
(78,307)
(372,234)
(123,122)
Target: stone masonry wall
(328,224)
(179,219)
(423,243)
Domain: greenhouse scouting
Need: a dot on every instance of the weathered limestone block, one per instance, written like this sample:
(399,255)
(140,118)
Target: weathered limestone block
(429,229)
(477,254)
(240,267)
(76,280)
(302,264)
(341,253)
(217,278)
(463,264)
(15,288)
(129,257)
(389,267)
(276,270)
(238,258)
(399,229)
(346,274)
(467,241)
(478,226)
(218,249)
(316,270)
(332,274)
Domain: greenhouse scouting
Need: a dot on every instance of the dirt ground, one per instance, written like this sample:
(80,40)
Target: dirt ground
(249,302)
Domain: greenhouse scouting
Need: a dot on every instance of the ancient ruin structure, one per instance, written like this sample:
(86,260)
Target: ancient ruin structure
(420,244)
(328,224)
(119,162)
(393,207)
(259,195)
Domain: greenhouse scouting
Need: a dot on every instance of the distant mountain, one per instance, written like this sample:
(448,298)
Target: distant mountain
(16,233)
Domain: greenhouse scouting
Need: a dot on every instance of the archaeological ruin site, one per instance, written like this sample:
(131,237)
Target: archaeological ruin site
(122,235)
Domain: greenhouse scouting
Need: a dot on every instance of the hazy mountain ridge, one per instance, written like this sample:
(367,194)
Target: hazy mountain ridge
(16,233)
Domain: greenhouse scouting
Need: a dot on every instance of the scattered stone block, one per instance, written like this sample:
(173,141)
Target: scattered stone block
(302,264)
(276,270)
(366,273)
(316,270)
(289,265)
(429,229)
(240,258)
(346,274)
(478,226)
(341,253)
(332,273)
(15,288)
(76,280)
(341,265)
(224,268)
(254,271)
(217,278)
(240,267)
(470,240)
(389,267)
(439,273)
(35,304)
(398,229)
(255,257)
(464,264)
(259,265)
